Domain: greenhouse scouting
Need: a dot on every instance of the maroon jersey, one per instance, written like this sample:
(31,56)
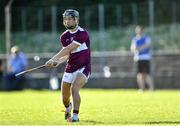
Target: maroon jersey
(79,57)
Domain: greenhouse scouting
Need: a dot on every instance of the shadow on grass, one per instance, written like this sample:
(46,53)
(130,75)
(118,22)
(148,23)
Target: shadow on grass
(163,122)
(92,122)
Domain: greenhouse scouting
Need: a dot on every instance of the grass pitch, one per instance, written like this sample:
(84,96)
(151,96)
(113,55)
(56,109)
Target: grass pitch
(98,107)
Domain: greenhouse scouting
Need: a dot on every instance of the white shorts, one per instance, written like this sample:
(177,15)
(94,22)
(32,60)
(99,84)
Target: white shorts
(70,77)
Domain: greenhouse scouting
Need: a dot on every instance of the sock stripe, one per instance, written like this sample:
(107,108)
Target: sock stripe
(76,111)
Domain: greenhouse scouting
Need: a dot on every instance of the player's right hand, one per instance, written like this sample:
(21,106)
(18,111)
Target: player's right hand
(51,63)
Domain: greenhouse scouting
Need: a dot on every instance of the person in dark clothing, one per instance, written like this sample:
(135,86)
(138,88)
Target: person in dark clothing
(1,73)
(17,62)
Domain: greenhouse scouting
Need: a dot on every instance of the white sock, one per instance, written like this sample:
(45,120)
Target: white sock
(75,116)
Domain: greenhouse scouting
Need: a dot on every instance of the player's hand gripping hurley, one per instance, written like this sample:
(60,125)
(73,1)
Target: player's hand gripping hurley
(48,64)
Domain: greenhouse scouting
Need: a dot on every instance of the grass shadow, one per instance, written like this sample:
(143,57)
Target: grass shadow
(93,122)
(163,122)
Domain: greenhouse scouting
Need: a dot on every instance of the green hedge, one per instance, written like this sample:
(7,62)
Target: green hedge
(164,37)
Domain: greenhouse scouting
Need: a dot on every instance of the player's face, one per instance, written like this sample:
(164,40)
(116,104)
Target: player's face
(70,22)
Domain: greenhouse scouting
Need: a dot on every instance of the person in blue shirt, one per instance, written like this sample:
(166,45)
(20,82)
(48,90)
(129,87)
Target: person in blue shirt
(141,47)
(17,62)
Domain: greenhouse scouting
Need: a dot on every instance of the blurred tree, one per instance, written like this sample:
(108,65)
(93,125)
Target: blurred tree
(162,8)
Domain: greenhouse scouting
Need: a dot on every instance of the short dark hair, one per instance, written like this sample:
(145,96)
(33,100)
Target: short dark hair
(71,12)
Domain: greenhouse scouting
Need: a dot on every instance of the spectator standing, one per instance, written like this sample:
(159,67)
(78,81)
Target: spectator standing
(1,73)
(17,62)
(141,47)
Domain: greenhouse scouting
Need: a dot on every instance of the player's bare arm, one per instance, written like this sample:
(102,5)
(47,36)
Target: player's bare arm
(63,52)
(62,60)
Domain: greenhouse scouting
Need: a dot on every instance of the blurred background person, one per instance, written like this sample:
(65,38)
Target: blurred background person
(141,47)
(1,73)
(17,62)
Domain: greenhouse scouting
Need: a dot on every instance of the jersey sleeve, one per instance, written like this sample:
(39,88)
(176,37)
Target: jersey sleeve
(61,41)
(148,40)
(80,38)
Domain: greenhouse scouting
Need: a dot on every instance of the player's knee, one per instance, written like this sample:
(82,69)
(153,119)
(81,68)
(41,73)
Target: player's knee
(75,88)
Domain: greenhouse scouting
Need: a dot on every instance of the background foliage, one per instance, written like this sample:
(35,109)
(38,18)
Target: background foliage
(116,38)
(33,30)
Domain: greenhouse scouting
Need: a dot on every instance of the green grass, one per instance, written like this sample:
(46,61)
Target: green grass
(99,107)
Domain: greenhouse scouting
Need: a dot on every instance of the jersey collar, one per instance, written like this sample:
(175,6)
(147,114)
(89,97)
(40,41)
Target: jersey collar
(77,28)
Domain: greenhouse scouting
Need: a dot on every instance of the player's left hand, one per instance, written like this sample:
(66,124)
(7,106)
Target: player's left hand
(51,63)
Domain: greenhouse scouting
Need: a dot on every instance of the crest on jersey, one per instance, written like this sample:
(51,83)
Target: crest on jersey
(71,39)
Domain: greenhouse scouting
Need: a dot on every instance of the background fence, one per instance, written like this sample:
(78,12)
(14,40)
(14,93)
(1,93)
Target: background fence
(36,29)
(49,18)
(111,26)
